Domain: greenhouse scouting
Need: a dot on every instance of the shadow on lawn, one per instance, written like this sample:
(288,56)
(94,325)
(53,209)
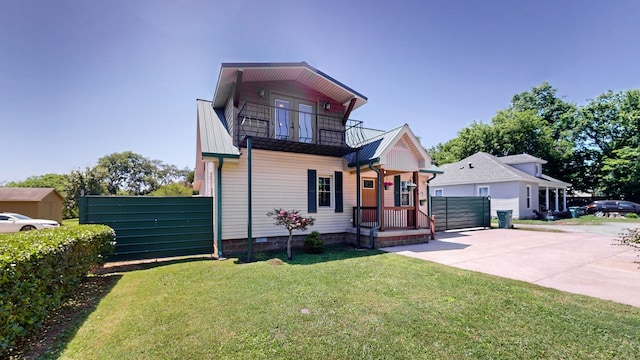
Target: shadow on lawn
(49,340)
(331,253)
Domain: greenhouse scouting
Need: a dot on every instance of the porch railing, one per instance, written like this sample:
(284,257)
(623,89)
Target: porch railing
(258,120)
(394,218)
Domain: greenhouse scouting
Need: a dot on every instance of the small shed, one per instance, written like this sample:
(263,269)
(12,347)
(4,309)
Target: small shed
(38,203)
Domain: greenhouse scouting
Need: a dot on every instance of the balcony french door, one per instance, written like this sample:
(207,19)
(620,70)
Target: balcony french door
(294,119)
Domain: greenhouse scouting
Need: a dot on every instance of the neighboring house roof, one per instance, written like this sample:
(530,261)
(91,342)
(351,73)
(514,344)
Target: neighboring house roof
(213,135)
(26,194)
(482,168)
(300,72)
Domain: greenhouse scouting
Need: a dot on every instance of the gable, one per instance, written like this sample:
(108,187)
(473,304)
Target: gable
(27,194)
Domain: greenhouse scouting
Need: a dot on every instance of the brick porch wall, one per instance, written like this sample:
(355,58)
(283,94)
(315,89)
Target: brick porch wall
(279,243)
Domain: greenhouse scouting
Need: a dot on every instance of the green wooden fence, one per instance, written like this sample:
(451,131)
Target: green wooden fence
(461,212)
(150,227)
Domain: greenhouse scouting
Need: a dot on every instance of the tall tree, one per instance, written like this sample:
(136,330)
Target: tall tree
(79,182)
(128,173)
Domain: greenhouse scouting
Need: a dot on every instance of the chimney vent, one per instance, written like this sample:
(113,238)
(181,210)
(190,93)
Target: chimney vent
(470,165)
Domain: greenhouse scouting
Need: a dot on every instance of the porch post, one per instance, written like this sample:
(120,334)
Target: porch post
(381,197)
(557,199)
(416,198)
(564,199)
(546,200)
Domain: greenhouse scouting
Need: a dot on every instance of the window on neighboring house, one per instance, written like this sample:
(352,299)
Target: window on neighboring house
(438,192)
(528,197)
(537,170)
(483,191)
(324,191)
(283,119)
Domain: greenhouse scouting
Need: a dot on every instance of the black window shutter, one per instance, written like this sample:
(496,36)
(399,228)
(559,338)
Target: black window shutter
(396,190)
(338,192)
(312,188)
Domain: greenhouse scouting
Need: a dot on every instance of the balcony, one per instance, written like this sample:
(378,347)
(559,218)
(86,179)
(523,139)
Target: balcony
(273,128)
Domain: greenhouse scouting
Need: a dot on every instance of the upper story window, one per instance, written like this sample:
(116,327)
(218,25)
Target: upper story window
(537,170)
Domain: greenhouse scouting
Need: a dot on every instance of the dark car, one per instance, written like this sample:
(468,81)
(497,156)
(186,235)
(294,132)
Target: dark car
(600,207)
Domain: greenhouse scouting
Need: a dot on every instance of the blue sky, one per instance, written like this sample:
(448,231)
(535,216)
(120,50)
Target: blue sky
(83,79)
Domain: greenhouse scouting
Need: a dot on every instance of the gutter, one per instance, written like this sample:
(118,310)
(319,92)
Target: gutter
(219,206)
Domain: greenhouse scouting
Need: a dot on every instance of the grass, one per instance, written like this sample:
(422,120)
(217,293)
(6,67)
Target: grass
(69,222)
(582,220)
(344,304)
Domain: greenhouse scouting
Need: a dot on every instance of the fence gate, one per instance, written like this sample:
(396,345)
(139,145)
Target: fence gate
(148,227)
(453,212)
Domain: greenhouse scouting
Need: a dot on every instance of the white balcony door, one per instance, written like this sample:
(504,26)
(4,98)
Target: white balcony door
(282,119)
(305,123)
(293,119)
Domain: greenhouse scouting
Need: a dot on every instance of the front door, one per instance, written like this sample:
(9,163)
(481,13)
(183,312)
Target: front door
(369,200)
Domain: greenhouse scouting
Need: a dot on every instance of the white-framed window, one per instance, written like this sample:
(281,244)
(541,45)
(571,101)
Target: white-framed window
(438,192)
(483,191)
(405,195)
(325,191)
(537,169)
(528,197)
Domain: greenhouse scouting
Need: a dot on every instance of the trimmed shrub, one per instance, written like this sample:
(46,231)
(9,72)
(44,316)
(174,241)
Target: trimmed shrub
(313,244)
(631,216)
(40,268)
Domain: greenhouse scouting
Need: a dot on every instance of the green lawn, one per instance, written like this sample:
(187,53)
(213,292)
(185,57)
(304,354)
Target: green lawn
(582,220)
(345,304)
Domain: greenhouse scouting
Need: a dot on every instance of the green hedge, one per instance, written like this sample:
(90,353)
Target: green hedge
(39,268)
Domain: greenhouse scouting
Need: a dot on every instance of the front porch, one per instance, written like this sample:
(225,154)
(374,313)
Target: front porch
(394,218)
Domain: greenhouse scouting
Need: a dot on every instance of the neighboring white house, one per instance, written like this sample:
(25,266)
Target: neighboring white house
(514,182)
(279,135)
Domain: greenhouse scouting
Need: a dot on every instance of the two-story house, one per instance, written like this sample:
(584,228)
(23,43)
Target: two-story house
(514,182)
(280,135)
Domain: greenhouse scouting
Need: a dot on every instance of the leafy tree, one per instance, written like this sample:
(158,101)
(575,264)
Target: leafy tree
(87,182)
(55,181)
(291,220)
(173,189)
(128,173)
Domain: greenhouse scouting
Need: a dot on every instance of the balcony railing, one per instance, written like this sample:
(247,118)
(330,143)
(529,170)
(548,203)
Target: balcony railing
(275,128)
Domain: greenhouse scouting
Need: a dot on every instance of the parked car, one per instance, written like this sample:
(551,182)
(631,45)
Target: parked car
(12,222)
(601,207)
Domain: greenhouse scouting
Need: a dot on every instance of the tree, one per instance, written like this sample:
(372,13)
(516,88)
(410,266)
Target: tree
(128,173)
(87,182)
(291,220)
(173,189)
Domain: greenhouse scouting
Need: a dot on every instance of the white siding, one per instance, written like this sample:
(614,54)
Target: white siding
(280,181)
(401,158)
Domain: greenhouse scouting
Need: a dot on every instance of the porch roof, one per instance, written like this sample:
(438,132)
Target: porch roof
(213,136)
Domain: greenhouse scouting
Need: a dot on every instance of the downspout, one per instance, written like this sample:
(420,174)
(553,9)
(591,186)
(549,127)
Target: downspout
(219,205)
(249,210)
(358,199)
(429,195)
(378,209)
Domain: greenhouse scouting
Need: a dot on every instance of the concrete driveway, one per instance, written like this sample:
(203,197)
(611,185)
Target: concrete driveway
(581,260)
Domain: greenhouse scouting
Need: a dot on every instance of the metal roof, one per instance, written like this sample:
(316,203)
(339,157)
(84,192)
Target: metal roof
(300,72)
(482,167)
(214,136)
(25,194)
